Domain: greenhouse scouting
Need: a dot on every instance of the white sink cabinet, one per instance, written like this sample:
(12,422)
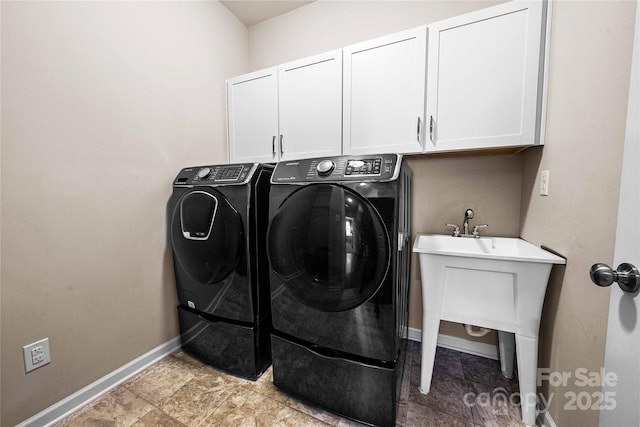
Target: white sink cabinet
(496,283)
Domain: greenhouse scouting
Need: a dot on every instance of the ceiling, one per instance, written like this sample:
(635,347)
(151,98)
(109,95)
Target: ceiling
(251,12)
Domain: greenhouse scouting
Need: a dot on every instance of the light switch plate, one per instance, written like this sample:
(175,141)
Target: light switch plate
(544,183)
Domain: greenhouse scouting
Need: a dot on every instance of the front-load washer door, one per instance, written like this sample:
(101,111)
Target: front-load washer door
(329,247)
(206,236)
(329,252)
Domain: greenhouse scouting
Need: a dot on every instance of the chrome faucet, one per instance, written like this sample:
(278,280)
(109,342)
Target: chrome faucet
(468,214)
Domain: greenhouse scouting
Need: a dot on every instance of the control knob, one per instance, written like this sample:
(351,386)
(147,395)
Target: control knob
(325,167)
(204,173)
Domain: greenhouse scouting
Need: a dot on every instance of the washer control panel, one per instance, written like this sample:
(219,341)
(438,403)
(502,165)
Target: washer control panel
(381,167)
(325,167)
(217,174)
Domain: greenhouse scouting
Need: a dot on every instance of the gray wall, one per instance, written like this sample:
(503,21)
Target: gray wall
(589,74)
(590,61)
(102,104)
(127,93)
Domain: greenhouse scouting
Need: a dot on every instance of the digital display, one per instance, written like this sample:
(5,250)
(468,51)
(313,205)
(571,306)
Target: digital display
(363,167)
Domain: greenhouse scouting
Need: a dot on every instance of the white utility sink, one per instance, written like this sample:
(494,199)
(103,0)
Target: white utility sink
(492,282)
(503,248)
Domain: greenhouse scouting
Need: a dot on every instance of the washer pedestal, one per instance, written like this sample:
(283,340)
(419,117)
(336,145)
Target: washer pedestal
(242,350)
(363,392)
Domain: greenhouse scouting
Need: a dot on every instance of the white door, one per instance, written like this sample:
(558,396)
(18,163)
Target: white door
(622,354)
(384,90)
(310,107)
(252,109)
(483,78)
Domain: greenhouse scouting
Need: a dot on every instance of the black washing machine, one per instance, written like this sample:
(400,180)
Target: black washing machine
(217,229)
(338,245)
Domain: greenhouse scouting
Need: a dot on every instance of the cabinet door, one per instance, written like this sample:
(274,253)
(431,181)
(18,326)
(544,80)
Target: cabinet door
(310,107)
(252,108)
(383,95)
(484,77)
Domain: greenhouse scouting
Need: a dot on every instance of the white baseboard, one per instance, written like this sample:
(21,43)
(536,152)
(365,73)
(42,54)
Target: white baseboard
(101,386)
(460,344)
(414,334)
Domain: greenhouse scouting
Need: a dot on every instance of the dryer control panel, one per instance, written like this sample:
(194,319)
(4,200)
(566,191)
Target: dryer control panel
(237,174)
(378,167)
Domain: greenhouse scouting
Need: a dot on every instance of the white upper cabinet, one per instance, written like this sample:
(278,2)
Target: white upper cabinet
(384,94)
(252,109)
(484,78)
(287,112)
(310,107)
(471,82)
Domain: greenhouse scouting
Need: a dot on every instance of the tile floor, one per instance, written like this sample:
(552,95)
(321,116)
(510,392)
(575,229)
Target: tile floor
(179,391)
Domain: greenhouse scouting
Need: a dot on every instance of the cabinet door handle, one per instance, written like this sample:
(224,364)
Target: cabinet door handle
(281,147)
(273,147)
(431,125)
(419,126)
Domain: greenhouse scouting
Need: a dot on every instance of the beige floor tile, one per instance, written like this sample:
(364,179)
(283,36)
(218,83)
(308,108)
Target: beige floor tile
(289,417)
(210,370)
(264,385)
(180,391)
(314,411)
(119,408)
(187,358)
(160,381)
(245,408)
(157,418)
(199,398)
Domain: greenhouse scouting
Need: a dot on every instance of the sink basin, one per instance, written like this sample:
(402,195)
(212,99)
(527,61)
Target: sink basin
(502,248)
(492,282)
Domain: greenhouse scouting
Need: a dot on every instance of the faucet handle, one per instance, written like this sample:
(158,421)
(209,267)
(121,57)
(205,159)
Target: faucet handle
(476,227)
(456,229)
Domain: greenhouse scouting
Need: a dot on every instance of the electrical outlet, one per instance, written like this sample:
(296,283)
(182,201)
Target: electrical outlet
(36,354)
(544,183)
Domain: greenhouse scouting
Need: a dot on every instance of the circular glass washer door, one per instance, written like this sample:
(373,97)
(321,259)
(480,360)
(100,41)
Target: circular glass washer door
(206,236)
(329,247)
